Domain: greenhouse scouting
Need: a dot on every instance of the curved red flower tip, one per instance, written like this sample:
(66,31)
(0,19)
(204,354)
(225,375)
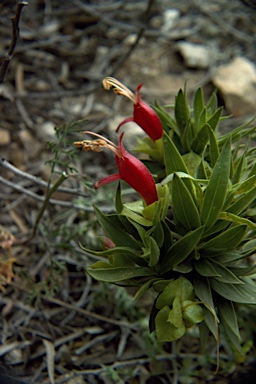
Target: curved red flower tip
(130,169)
(143,114)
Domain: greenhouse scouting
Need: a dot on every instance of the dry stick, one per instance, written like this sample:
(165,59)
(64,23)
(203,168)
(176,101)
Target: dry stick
(62,203)
(15,36)
(4,163)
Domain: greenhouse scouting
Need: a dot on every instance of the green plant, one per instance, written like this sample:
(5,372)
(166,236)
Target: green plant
(192,245)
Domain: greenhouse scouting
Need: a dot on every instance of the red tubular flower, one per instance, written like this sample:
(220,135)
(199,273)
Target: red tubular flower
(143,114)
(130,169)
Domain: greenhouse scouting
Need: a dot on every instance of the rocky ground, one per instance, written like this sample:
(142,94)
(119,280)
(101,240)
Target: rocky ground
(58,326)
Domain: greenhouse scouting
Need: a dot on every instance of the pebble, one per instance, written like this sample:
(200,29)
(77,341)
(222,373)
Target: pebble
(5,137)
(194,55)
(236,82)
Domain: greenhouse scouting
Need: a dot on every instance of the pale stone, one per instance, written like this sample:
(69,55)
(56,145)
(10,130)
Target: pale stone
(194,55)
(237,83)
(46,131)
(5,137)
(170,17)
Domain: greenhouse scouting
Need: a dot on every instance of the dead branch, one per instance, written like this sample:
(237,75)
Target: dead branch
(15,36)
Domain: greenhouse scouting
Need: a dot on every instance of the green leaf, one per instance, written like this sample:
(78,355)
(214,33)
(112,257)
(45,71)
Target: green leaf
(192,313)
(167,120)
(243,202)
(144,288)
(112,275)
(239,169)
(212,103)
(175,314)
(201,139)
(245,186)
(183,205)
(213,147)
(229,239)
(234,292)
(173,159)
(180,287)
(118,199)
(198,106)
(181,110)
(227,315)
(224,274)
(120,252)
(216,191)
(234,339)
(180,250)
(205,268)
(114,231)
(238,220)
(213,121)
(127,212)
(192,162)
(166,331)
(154,252)
(203,291)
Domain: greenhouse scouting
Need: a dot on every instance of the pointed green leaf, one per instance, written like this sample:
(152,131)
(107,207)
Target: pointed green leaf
(187,136)
(167,120)
(225,275)
(154,252)
(198,106)
(116,274)
(234,292)
(181,249)
(173,159)
(128,213)
(201,139)
(242,202)
(212,103)
(233,339)
(213,147)
(230,239)
(183,205)
(216,191)
(240,166)
(144,288)
(115,231)
(238,220)
(205,268)
(213,121)
(203,291)
(181,110)
(119,252)
(245,186)
(227,315)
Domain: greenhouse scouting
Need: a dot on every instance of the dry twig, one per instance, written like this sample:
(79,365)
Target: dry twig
(15,36)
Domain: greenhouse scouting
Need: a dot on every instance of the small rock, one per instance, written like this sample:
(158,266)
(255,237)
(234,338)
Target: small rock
(46,131)
(5,137)
(194,55)
(171,17)
(131,39)
(237,83)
